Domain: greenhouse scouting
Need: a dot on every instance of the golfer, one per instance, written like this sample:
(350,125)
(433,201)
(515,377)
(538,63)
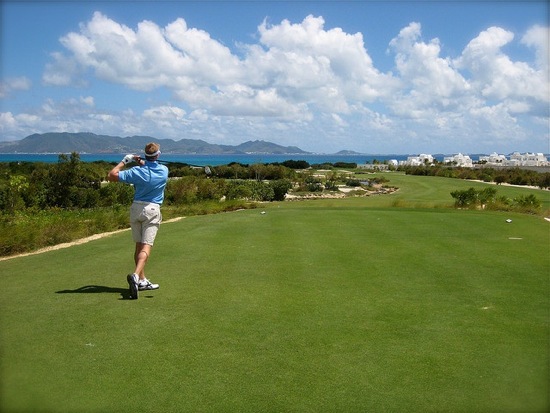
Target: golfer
(149,180)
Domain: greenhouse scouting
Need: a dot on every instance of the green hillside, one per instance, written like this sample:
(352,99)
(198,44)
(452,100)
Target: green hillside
(86,142)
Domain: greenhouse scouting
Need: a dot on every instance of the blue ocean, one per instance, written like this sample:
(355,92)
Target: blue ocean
(213,160)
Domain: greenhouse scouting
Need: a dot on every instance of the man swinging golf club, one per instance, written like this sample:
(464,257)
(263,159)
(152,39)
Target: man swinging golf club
(149,179)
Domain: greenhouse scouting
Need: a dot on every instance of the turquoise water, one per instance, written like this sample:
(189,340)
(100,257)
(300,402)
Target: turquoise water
(213,159)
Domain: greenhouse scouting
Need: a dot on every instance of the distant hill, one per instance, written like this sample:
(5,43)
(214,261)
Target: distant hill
(86,142)
(346,152)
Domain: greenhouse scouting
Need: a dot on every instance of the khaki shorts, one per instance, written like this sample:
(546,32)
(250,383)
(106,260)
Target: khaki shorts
(145,219)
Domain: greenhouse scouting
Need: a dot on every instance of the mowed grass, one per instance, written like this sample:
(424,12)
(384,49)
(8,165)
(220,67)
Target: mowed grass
(348,305)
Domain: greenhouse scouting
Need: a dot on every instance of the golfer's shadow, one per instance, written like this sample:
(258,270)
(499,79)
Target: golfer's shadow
(94,289)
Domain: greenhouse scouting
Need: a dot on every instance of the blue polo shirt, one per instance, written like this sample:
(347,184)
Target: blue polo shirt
(149,181)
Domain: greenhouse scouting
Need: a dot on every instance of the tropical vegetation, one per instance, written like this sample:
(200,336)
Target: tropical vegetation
(45,204)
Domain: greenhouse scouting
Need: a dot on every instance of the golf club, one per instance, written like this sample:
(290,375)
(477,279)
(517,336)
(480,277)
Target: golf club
(206,168)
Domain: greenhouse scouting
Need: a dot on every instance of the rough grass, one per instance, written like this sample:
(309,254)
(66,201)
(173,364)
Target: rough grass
(27,231)
(32,230)
(316,306)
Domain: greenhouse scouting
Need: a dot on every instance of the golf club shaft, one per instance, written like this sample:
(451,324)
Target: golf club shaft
(179,163)
(206,168)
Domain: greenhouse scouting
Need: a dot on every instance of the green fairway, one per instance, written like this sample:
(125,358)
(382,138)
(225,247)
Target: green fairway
(392,303)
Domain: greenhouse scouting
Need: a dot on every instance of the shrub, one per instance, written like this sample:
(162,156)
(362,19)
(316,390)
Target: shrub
(280,188)
(331,185)
(486,195)
(465,198)
(251,190)
(471,198)
(353,182)
(238,190)
(208,189)
(500,203)
(113,194)
(313,184)
(181,190)
(527,203)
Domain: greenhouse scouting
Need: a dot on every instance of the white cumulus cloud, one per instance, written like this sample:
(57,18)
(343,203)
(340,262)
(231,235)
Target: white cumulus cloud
(538,38)
(297,83)
(495,75)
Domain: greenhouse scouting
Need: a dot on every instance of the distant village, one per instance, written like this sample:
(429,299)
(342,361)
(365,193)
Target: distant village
(514,160)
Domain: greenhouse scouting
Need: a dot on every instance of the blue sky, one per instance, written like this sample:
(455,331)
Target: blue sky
(375,77)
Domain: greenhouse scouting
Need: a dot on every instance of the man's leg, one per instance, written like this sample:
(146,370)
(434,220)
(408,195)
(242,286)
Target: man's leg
(141,255)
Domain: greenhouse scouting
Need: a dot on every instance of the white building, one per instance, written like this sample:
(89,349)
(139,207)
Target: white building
(459,160)
(516,159)
(493,159)
(419,160)
(527,159)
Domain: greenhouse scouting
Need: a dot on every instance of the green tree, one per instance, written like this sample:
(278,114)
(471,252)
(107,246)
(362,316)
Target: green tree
(544,180)
(500,179)
(258,171)
(72,184)
(12,193)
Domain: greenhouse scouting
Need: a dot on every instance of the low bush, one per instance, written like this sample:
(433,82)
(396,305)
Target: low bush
(280,188)
(527,203)
(250,191)
(487,198)
(353,182)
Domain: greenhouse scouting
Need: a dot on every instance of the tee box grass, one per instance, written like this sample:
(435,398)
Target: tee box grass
(347,305)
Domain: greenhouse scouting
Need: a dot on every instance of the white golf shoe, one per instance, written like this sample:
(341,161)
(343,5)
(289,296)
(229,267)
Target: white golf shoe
(147,285)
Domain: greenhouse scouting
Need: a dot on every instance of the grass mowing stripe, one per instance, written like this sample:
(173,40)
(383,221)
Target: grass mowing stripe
(318,306)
